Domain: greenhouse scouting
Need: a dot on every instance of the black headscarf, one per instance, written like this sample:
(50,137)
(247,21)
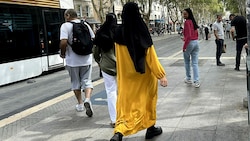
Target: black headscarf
(135,35)
(105,35)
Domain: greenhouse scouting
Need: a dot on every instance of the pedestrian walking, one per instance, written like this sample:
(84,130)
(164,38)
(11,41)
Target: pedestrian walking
(191,47)
(239,33)
(201,28)
(104,54)
(219,39)
(137,71)
(78,66)
(206,32)
(228,28)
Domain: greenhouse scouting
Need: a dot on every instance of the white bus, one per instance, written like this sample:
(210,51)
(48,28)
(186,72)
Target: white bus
(29,39)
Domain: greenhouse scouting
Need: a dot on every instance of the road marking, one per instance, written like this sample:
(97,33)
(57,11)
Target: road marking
(207,58)
(174,55)
(39,107)
(101,99)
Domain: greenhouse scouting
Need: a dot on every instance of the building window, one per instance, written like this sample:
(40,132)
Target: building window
(79,10)
(87,11)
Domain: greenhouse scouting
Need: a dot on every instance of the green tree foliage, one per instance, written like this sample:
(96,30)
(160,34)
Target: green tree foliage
(145,7)
(235,6)
(204,10)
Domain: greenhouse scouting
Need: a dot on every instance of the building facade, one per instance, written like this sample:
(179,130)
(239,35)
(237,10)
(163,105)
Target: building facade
(49,3)
(118,10)
(159,15)
(84,9)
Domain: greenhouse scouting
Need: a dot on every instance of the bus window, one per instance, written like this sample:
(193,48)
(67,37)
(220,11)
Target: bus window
(53,20)
(6,32)
(18,34)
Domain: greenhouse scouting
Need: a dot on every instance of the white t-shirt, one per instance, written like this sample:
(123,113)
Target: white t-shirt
(73,59)
(219,28)
(228,27)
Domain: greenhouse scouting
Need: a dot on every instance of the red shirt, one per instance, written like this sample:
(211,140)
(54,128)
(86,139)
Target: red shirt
(189,33)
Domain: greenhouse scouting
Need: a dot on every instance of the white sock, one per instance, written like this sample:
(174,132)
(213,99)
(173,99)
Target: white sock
(87,99)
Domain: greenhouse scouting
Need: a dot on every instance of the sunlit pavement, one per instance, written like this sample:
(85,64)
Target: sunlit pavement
(213,112)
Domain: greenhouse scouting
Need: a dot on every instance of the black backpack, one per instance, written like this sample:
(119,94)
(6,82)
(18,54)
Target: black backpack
(82,43)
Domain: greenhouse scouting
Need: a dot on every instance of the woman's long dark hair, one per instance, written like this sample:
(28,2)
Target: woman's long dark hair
(191,17)
(105,35)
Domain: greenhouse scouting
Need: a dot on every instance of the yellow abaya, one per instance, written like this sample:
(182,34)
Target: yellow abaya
(137,93)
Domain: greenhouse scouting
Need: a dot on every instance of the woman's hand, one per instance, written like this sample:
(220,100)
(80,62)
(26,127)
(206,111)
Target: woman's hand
(164,82)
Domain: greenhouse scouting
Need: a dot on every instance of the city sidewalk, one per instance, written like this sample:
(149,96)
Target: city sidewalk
(213,112)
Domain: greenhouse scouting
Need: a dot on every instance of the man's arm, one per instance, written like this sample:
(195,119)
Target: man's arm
(63,40)
(63,46)
(216,34)
(215,28)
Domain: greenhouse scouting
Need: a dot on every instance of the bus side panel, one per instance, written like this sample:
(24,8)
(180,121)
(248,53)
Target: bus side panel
(55,61)
(45,64)
(20,70)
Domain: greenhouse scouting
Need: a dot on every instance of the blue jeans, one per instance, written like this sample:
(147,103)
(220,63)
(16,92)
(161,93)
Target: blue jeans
(192,53)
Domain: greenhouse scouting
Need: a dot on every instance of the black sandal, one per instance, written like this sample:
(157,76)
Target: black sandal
(153,131)
(117,137)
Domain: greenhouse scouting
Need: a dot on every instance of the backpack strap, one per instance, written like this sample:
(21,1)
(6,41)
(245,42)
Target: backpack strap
(72,31)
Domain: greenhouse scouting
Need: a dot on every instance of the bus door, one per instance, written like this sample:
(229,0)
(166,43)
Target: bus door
(52,22)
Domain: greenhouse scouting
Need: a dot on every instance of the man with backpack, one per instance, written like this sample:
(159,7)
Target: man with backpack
(76,47)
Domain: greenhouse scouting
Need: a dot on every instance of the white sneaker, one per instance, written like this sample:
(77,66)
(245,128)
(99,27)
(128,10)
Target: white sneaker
(79,108)
(88,107)
(188,81)
(197,84)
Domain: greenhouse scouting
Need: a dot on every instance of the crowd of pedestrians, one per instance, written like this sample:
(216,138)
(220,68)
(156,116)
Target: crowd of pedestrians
(130,68)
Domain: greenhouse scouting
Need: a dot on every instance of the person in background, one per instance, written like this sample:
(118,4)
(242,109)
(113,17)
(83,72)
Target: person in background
(228,28)
(239,33)
(78,66)
(219,39)
(211,27)
(191,47)
(104,54)
(138,71)
(206,32)
(201,28)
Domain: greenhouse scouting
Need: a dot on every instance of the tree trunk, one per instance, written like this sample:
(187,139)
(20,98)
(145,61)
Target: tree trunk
(147,20)
(101,7)
(96,10)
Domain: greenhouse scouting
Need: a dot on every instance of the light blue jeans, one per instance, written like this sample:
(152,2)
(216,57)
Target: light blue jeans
(192,53)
